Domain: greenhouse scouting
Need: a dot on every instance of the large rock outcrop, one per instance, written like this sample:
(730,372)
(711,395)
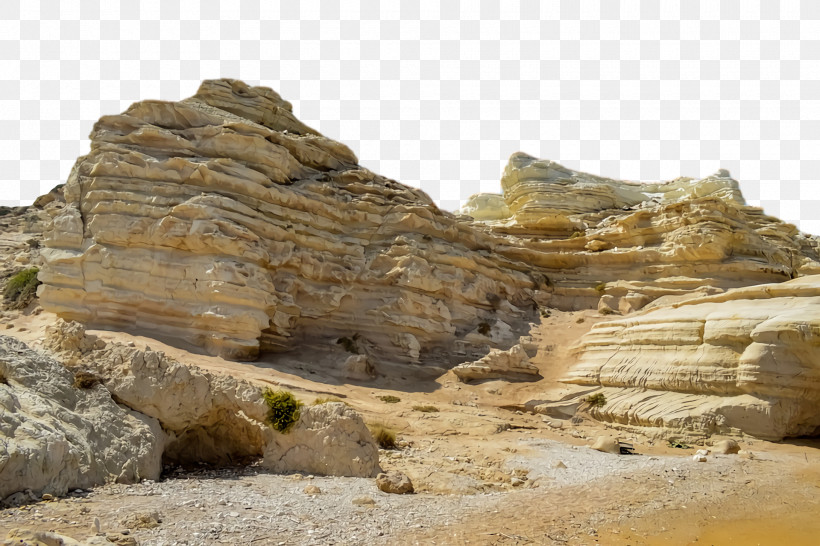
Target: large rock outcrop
(56,436)
(637,242)
(214,418)
(223,220)
(744,361)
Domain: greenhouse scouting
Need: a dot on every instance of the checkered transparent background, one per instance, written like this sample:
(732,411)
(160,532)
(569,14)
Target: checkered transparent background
(439,95)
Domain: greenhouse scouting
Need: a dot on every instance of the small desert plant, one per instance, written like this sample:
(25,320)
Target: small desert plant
(576,234)
(390,399)
(606,311)
(601,287)
(597,400)
(283,409)
(3,379)
(384,435)
(580,320)
(426,409)
(484,328)
(327,400)
(85,380)
(22,288)
(679,445)
(349,343)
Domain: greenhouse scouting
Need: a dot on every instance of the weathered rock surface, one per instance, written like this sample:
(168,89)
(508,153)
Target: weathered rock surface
(394,482)
(512,364)
(329,439)
(607,445)
(637,242)
(223,220)
(216,418)
(57,437)
(744,361)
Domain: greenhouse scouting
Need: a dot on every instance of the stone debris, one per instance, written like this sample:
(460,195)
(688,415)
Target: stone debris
(607,445)
(726,447)
(394,482)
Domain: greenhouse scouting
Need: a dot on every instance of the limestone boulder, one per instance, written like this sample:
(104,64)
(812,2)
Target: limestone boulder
(328,439)
(607,445)
(394,482)
(57,436)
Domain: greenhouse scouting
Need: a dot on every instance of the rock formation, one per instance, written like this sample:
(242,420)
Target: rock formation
(744,361)
(331,440)
(223,220)
(636,242)
(57,436)
(511,364)
(118,413)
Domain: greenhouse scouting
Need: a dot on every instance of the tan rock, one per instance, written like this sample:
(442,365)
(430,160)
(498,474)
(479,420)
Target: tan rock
(394,482)
(726,447)
(224,221)
(744,360)
(312,490)
(512,364)
(607,445)
(330,440)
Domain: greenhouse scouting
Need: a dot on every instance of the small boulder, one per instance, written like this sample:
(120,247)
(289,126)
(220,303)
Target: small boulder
(364,501)
(394,482)
(607,444)
(726,447)
(312,490)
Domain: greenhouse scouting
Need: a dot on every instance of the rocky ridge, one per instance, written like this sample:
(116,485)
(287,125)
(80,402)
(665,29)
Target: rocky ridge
(223,221)
(637,242)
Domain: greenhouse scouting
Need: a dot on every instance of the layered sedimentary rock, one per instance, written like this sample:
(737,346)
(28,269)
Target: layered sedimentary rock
(744,361)
(595,236)
(223,220)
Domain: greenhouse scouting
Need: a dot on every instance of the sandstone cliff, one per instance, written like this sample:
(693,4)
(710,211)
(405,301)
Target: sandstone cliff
(636,242)
(744,361)
(223,220)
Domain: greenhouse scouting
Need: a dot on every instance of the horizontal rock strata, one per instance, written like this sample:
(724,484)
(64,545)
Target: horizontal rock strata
(744,361)
(588,233)
(224,221)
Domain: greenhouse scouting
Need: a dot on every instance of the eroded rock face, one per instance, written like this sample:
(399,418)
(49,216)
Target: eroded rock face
(214,418)
(223,220)
(512,364)
(638,242)
(57,437)
(744,361)
(328,439)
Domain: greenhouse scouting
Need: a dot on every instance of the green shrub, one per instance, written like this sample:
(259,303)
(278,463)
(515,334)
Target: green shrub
(426,409)
(597,400)
(679,445)
(283,409)
(606,311)
(390,399)
(384,435)
(601,287)
(576,234)
(22,288)
(327,400)
(484,328)
(85,380)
